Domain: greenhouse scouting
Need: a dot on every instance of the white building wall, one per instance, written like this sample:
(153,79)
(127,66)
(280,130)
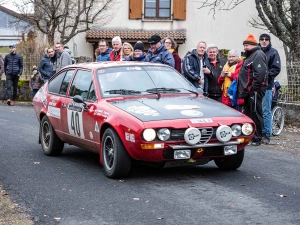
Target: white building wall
(228,30)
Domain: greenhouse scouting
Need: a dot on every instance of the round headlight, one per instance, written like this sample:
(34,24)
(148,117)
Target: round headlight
(236,130)
(163,134)
(149,134)
(247,129)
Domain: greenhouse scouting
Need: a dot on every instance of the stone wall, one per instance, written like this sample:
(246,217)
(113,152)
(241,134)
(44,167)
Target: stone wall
(291,111)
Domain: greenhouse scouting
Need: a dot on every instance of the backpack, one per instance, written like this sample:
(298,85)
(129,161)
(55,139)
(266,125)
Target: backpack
(232,92)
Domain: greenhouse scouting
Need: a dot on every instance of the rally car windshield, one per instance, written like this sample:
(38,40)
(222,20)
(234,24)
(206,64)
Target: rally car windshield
(137,80)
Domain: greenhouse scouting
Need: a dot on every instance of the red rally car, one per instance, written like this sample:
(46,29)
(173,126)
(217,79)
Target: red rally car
(130,111)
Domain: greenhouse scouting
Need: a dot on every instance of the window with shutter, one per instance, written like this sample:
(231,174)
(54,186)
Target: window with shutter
(135,9)
(179,9)
(157,9)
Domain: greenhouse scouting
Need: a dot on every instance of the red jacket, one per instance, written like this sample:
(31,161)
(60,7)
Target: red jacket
(177,60)
(234,76)
(112,54)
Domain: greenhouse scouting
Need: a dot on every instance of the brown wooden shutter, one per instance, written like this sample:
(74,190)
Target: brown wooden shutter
(135,9)
(179,9)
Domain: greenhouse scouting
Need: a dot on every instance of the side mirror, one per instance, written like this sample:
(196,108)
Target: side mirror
(79,99)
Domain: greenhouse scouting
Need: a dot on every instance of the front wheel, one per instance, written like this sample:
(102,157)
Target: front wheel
(115,159)
(277,120)
(230,162)
(51,144)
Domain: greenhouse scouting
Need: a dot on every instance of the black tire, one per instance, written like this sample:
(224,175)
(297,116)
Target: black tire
(115,159)
(277,120)
(231,162)
(51,144)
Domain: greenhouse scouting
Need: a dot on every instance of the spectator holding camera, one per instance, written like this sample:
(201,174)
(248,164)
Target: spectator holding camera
(229,73)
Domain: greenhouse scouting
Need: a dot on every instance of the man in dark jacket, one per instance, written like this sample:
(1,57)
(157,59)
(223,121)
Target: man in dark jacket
(104,51)
(158,53)
(196,67)
(216,64)
(13,68)
(252,84)
(274,68)
(46,65)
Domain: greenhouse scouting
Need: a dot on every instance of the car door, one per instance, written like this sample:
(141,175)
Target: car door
(57,88)
(79,123)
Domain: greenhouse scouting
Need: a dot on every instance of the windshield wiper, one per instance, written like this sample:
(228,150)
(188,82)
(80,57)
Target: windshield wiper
(195,92)
(123,91)
(158,90)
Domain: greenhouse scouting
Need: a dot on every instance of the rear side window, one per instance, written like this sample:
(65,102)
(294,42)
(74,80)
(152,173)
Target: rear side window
(54,84)
(81,85)
(64,85)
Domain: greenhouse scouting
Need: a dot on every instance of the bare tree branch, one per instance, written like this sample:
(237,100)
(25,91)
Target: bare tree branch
(68,17)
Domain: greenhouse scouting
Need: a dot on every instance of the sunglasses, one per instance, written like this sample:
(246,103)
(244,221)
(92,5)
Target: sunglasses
(264,39)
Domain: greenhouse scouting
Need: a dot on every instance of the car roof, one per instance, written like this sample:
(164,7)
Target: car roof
(96,65)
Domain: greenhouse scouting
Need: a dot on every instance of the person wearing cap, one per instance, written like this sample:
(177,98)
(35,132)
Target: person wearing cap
(13,68)
(158,53)
(35,81)
(274,68)
(138,52)
(116,53)
(252,84)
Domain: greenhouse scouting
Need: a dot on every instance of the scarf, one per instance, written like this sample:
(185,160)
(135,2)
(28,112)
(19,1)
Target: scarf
(230,67)
(171,50)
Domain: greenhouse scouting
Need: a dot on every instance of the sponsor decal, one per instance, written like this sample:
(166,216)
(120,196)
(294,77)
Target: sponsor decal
(191,113)
(74,116)
(101,112)
(52,104)
(96,127)
(204,120)
(145,110)
(181,107)
(54,97)
(91,135)
(134,68)
(129,137)
(53,112)
(101,71)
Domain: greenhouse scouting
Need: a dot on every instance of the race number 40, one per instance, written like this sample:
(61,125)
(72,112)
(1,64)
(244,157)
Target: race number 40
(75,119)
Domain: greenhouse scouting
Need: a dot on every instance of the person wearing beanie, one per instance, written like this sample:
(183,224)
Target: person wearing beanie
(252,84)
(138,54)
(171,45)
(158,53)
(274,67)
(35,82)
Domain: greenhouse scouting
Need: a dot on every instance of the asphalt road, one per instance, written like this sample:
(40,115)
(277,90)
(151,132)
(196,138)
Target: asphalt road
(72,188)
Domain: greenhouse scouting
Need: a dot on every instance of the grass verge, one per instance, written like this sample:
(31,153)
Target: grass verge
(10,213)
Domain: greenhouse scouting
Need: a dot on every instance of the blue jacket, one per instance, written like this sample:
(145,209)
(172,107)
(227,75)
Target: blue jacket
(13,64)
(46,67)
(191,67)
(104,56)
(161,55)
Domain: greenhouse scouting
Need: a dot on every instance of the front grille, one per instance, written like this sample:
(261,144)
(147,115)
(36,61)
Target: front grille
(206,134)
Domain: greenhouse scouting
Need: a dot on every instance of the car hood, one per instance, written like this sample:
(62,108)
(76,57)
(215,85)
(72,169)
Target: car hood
(170,108)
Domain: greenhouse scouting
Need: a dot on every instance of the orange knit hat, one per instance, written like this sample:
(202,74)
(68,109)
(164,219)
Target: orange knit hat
(250,40)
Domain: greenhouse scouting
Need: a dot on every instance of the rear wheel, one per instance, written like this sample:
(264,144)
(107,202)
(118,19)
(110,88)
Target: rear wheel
(115,159)
(230,162)
(51,144)
(277,120)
